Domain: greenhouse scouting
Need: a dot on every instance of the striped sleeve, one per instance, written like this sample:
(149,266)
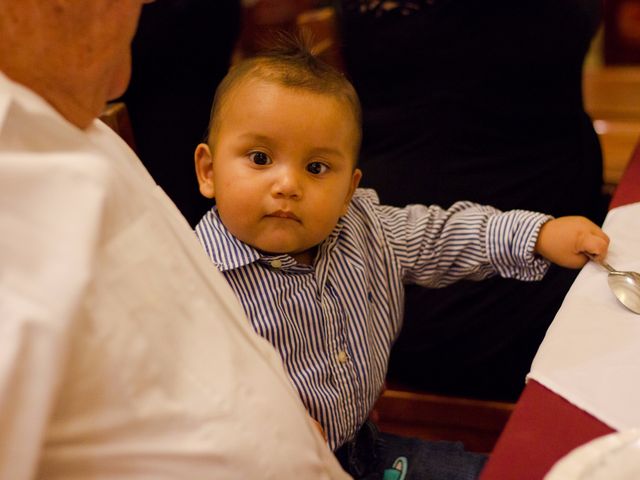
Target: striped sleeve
(511,240)
(436,247)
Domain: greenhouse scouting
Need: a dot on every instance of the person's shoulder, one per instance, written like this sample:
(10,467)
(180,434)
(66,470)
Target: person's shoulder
(364,211)
(365,197)
(362,206)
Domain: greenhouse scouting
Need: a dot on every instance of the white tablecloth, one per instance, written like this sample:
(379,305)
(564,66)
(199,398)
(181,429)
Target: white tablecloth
(591,352)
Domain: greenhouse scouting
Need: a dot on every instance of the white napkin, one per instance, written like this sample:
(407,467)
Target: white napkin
(591,352)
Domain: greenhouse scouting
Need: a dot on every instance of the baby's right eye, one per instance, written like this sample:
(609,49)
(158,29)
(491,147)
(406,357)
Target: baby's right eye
(260,158)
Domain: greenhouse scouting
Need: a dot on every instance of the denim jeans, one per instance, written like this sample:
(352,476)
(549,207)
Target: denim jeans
(374,455)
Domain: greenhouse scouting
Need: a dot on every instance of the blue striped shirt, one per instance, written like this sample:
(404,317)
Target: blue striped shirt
(334,322)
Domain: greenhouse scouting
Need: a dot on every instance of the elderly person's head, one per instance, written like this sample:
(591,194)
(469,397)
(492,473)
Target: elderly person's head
(74,53)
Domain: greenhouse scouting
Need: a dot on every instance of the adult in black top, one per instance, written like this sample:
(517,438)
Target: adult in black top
(481,101)
(181,51)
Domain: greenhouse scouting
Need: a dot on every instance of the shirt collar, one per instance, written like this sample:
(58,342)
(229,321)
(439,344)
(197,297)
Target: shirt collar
(225,250)
(32,103)
(229,253)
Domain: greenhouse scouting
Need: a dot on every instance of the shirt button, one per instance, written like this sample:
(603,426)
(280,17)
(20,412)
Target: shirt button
(277,263)
(342,357)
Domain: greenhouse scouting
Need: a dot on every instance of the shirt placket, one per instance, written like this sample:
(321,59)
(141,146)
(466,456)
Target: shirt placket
(341,362)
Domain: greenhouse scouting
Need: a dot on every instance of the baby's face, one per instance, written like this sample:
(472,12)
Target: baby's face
(282,169)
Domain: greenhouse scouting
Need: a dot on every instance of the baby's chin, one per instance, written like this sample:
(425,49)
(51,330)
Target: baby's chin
(279,251)
(279,246)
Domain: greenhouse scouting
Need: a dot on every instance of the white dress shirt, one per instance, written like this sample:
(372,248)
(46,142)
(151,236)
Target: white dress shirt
(123,354)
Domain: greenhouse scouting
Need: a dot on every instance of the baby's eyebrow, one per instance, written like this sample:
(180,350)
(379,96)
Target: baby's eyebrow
(256,137)
(265,139)
(327,151)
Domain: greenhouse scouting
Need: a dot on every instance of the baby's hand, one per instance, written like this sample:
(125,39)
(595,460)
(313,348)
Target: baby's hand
(563,241)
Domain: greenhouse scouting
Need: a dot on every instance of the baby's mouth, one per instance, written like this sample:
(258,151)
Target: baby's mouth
(284,214)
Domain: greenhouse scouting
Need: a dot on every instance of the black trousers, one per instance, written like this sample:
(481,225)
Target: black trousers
(375,455)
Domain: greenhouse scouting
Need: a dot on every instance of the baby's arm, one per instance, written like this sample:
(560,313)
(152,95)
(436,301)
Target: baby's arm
(564,240)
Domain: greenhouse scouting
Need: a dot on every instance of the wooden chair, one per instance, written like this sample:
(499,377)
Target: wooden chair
(476,423)
(116,116)
(612,98)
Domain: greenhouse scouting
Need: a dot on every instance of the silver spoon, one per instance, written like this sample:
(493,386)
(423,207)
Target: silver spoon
(624,285)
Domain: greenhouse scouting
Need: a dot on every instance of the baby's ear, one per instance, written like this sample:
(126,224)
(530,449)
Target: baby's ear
(355,181)
(204,170)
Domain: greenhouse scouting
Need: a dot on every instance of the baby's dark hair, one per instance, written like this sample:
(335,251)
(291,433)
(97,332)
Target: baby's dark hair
(290,62)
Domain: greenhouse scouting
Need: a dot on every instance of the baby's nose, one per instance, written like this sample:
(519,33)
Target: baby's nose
(287,184)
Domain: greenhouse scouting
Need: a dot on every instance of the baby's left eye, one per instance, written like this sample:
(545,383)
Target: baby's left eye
(260,158)
(317,168)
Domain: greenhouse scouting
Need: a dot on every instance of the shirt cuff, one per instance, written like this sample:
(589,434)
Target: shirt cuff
(511,242)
